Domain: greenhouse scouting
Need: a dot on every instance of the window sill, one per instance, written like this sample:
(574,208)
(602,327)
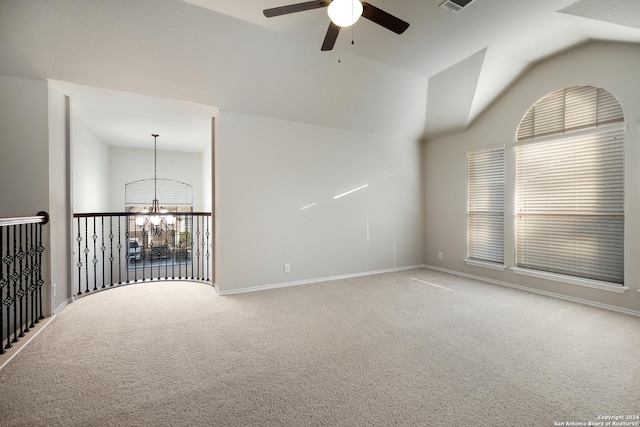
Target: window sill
(595,284)
(484,264)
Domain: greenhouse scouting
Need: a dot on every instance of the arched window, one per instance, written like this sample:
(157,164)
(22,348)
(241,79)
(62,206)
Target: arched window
(175,198)
(170,193)
(570,185)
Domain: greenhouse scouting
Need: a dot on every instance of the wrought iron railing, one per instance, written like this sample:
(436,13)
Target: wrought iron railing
(121,248)
(21,281)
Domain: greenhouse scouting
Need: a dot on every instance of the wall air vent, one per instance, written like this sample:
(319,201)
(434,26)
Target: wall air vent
(455,6)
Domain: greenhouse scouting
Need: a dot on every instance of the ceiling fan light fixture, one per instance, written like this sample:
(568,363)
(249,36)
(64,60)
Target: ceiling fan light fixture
(344,13)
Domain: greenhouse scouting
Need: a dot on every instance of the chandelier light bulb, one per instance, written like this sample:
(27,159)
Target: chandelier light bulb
(344,13)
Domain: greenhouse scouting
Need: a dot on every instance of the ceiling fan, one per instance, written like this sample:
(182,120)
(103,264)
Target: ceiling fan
(343,13)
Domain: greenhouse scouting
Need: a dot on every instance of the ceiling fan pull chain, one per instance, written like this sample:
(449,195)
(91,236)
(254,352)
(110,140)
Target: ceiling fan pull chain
(352,25)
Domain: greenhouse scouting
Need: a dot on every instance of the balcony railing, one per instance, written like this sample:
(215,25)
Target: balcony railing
(121,248)
(21,281)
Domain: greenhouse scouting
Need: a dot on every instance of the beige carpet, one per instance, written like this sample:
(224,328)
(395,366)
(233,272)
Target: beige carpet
(377,351)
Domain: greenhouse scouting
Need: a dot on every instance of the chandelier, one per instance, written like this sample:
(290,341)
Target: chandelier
(155,221)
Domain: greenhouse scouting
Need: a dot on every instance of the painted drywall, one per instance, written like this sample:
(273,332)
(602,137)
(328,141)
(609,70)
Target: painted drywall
(24,161)
(608,65)
(207,179)
(175,50)
(91,174)
(24,158)
(277,202)
(131,164)
(59,201)
(167,49)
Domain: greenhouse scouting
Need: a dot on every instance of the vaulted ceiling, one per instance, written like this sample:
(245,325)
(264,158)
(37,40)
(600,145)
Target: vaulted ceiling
(436,78)
(469,57)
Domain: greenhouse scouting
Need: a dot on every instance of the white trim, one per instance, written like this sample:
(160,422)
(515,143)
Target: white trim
(217,288)
(61,306)
(316,280)
(484,264)
(20,345)
(540,292)
(595,284)
(575,133)
(487,149)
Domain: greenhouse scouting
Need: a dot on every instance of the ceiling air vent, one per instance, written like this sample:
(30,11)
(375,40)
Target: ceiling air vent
(455,6)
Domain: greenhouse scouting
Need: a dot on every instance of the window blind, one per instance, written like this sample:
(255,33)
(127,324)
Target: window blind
(570,186)
(570,206)
(570,109)
(169,192)
(485,205)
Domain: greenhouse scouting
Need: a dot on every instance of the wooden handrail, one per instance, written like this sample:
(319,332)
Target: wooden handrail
(40,218)
(91,214)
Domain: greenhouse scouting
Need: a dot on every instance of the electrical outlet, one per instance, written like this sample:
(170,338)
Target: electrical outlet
(440,256)
(54,289)
(287,268)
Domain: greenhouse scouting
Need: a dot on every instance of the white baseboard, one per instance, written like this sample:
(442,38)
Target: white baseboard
(20,345)
(217,288)
(316,280)
(59,308)
(539,292)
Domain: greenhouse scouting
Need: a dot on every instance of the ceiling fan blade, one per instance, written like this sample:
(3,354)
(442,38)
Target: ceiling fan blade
(298,7)
(383,18)
(331,37)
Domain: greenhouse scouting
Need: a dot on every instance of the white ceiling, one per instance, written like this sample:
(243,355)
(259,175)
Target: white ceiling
(468,58)
(127,120)
(478,52)
(523,30)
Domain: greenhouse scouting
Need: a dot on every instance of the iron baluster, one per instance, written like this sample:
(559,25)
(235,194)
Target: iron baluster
(185,246)
(103,248)
(152,253)
(79,264)
(20,290)
(144,253)
(18,270)
(111,259)
(127,256)
(86,253)
(27,276)
(95,257)
(174,255)
(30,276)
(40,282)
(208,254)
(166,252)
(193,276)
(3,285)
(15,276)
(8,259)
(120,254)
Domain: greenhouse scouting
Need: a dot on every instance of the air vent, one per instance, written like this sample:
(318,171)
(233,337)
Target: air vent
(455,6)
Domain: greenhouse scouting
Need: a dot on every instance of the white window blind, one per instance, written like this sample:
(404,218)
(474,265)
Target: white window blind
(485,205)
(570,189)
(169,192)
(570,109)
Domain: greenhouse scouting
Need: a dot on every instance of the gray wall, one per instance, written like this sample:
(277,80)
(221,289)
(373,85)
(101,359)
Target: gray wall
(90,168)
(132,164)
(24,159)
(59,199)
(608,65)
(277,182)
(24,171)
